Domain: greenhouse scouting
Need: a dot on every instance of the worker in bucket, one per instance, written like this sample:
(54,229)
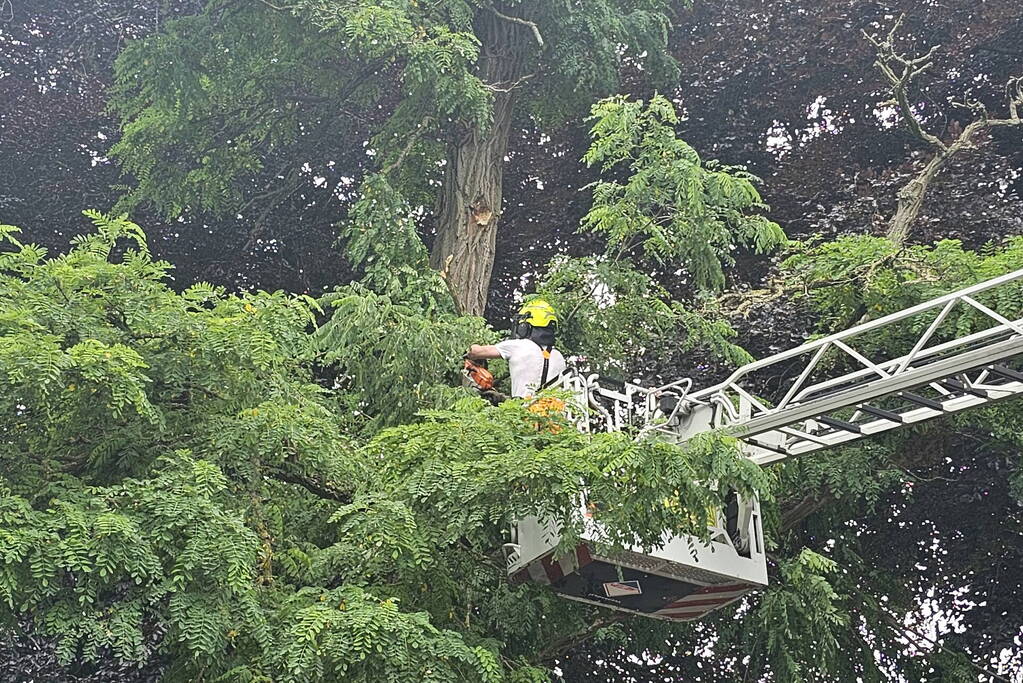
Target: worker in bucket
(533,362)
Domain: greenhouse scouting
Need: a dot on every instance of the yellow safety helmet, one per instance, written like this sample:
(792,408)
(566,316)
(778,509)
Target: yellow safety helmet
(538,313)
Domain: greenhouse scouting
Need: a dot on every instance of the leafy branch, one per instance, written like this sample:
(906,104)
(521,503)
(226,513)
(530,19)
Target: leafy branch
(412,140)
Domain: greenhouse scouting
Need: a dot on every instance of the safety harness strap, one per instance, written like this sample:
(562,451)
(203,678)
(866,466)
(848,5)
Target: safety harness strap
(546,366)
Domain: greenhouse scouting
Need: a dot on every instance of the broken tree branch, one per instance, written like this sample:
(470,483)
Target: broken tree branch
(900,70)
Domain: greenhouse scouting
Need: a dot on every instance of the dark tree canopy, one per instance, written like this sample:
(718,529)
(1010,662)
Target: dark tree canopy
(57,130)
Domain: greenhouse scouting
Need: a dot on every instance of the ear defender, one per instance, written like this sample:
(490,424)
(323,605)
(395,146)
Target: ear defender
(522,330)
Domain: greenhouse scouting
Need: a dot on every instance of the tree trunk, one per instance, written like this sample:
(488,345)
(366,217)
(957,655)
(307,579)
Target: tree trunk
(469,206)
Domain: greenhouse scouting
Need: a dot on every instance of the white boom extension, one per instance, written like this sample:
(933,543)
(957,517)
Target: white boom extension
(832,391)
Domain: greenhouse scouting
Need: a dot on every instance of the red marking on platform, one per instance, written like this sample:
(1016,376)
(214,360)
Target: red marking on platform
(552,569)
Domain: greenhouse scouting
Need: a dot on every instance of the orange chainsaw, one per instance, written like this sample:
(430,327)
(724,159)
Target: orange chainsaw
(478,376)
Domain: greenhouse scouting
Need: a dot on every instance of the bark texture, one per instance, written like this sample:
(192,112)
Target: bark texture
(911,196)
(469,206)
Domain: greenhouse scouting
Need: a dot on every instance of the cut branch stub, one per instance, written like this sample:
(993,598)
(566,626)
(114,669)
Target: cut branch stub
(481,212)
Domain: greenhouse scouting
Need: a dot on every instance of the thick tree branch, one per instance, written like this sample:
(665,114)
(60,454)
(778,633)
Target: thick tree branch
(523,22)
(322,489)
(562,645)
(911,196)
(360,78)
(814,501)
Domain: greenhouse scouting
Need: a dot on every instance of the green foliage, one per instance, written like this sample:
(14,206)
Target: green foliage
(673,207)
(212,99)
(152,444)
(862,277)
(348,634)
(96,567)
(461,456)
(380,237)
(804,616)
(861,473)
(600,300)
(584,51)
(391,357)
(954,667)
(393,338)
(183,479)
(669,211)
(202,107)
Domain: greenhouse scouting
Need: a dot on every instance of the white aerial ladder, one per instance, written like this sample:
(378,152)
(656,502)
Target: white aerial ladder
(837,390)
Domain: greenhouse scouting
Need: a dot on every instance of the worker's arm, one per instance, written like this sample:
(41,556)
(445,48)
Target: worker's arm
(477,352)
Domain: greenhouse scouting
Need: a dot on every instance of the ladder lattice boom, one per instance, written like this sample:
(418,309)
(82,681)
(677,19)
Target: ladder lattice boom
(836,392)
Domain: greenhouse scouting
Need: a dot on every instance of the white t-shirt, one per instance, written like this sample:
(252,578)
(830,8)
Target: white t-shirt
(525,363)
